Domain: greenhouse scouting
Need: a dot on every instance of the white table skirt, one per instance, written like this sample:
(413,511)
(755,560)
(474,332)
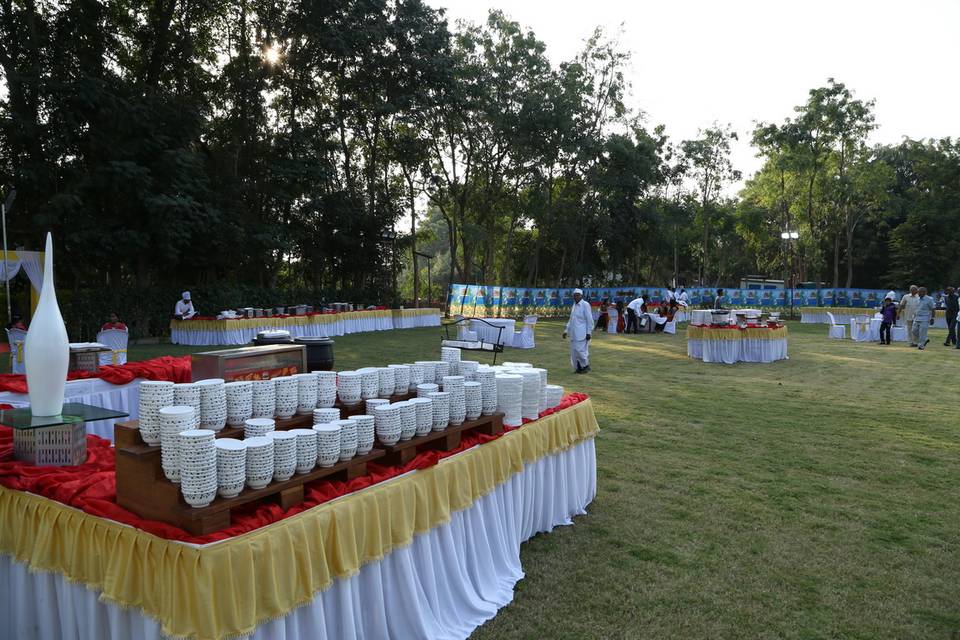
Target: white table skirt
(860,333)
(124,397)
(486,333)
(448,582)
(733,351)
(817,315)
(865,331)
(337,327)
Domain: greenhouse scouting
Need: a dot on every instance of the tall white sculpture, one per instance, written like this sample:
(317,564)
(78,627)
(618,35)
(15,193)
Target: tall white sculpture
(47,350)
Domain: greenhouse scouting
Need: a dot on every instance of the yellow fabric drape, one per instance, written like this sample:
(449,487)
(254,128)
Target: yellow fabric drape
(707,333)
(279,323)
(228,588)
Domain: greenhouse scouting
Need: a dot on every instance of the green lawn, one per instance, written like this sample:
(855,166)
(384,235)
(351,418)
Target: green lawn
(812,498)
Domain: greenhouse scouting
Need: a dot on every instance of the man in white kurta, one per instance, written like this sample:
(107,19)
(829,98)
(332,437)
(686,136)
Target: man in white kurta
(578,329)
(908,310)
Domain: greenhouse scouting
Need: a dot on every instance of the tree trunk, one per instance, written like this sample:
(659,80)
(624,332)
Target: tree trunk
(849,256)
(505,275)
(704,257)
(836,259)
(413,243)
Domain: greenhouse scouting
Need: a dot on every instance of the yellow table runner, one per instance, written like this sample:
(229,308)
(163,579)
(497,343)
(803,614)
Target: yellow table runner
(279,323)
(228,588)
(708,333)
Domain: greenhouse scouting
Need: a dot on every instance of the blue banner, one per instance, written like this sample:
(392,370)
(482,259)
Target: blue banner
(493,300)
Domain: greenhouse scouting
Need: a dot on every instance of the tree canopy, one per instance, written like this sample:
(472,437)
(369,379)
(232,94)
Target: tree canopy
(316,145)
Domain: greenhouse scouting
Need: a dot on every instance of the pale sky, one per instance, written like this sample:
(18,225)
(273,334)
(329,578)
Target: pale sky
(741,61)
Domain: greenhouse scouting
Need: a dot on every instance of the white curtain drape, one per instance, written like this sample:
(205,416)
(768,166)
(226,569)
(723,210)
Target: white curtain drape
(12,269)
(32,263)
(447,583)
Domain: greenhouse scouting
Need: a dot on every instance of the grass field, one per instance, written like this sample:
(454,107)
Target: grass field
(812,498)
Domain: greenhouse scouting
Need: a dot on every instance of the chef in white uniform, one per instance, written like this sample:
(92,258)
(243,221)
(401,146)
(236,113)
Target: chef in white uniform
(184,309)
(578,329)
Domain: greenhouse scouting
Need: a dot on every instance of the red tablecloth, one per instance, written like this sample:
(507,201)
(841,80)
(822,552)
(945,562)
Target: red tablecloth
(170,368)
(92,486)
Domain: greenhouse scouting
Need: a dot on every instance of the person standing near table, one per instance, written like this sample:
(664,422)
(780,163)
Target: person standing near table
(923,318)
(952,306)
(888,314)
(604,318)
(719,300)
(634,309)
(114,323)
(578,329)
(184,309)
(908,309)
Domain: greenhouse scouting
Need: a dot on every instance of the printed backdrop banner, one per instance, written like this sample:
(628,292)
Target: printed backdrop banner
(495,300)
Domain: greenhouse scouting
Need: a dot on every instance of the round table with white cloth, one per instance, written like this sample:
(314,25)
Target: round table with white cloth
(492,334)
(862,330)
(733,344)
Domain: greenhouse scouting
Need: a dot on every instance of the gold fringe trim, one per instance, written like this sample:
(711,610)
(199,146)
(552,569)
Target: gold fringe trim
(227,589)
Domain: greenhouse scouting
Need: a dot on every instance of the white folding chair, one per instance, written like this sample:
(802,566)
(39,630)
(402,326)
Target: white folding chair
(670,327)
(837,331)
(117,340)
(523,339)
(17,338)
(613,318)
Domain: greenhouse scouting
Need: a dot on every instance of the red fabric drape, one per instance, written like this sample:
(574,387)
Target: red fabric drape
(169,368)
(92,486)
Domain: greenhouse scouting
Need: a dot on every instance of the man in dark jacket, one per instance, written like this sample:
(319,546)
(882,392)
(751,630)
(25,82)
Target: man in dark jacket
(952,302)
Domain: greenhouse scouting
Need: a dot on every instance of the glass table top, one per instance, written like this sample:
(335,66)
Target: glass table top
(72,413)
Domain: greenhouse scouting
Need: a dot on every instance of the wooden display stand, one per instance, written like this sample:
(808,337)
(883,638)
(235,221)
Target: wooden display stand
(446,440)
(143,488)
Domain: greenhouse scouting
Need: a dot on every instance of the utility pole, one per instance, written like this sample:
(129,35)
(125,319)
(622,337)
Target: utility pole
(6,206)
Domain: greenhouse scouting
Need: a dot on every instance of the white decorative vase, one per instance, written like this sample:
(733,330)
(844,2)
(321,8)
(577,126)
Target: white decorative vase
(47,350)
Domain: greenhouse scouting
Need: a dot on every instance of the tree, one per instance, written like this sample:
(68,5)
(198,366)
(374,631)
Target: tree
(708,158)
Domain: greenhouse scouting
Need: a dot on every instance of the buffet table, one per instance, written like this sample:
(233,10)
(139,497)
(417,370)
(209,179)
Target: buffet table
(843,315)
(235,331)
(487,333)
(96,392)
(431,551)
(113,387)
(731,344)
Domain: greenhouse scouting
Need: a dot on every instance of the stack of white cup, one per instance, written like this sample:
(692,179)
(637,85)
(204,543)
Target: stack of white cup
(213,404)
(454,386)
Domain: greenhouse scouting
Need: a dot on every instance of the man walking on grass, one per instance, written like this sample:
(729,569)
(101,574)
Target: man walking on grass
(923,318)
(578,328)
(908,309)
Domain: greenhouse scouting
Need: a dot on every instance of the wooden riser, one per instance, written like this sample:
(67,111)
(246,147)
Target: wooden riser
(143,488)
(446,440)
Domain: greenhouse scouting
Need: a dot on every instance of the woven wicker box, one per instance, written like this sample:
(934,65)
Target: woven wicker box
(51,446)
